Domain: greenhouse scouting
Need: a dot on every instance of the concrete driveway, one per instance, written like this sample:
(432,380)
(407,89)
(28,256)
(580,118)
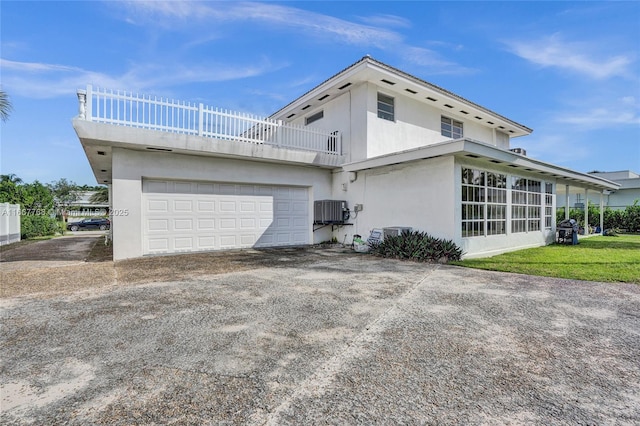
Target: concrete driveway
(322,337)
(70,249)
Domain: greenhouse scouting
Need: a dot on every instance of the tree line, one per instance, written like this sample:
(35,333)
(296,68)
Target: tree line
(43,206)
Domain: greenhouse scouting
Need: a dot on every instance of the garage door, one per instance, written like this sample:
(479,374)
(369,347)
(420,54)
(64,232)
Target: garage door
(198,216)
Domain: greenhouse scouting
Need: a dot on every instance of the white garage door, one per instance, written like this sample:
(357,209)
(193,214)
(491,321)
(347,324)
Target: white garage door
(198,216)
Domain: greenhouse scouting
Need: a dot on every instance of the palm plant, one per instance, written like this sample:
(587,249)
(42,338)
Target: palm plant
(5,105)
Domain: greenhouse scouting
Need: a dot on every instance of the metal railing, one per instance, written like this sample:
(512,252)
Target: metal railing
(123,108)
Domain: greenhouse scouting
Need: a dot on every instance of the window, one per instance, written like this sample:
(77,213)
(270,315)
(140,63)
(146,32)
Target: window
(450,128)
(548,205)
(484,203)
(314,117)
(526,204)
(386,108)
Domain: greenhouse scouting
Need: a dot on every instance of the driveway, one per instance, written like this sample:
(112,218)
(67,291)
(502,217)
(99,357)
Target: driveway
(324,337)
(70,249)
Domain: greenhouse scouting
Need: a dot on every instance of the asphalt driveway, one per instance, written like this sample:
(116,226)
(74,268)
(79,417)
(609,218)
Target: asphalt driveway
(70,249)
(322,337)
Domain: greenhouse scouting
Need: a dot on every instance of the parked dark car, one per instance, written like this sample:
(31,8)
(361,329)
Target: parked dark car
(93,223)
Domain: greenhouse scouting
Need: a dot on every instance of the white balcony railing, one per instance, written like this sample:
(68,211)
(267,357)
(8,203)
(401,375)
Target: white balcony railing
(128,109)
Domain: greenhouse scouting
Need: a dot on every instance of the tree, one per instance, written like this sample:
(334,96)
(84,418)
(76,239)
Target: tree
(101,195)
(5,105)
(37,196)
(65,192)
(11,189)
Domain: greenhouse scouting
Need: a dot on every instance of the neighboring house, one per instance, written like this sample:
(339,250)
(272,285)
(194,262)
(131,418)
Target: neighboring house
(619,199)
(399,150)
(83,207)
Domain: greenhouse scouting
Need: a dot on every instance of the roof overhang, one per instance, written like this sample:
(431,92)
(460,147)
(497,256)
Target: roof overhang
(396,81)
(99,139)
(491,157)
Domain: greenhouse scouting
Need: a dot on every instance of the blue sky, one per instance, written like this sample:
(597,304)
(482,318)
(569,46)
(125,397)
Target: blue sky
(569,70)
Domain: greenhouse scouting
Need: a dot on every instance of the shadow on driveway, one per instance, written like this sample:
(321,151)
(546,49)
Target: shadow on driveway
(68,248)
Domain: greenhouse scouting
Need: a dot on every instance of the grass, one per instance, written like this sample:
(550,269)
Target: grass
(606,259)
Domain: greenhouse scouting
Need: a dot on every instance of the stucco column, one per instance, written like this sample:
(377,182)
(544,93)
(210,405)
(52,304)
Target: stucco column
(586,211)
(601,213)
(566,202)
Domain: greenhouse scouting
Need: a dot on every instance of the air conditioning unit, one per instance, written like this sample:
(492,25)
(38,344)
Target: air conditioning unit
(330,212)
(395,231)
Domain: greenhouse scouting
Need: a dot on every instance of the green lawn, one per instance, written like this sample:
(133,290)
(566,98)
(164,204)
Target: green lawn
(609,259)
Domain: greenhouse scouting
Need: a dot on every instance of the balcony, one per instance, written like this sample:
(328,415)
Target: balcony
(127,109)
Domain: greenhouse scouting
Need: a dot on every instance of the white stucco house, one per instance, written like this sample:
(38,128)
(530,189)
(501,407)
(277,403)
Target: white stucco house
(398,150)
(627,193)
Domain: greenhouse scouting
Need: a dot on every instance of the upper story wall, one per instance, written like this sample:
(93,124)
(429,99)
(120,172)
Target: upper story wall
(355,115)
(416,125)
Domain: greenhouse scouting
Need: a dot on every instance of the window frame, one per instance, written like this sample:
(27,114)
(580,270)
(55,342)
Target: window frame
(453,126)
(388,114)
(483,203)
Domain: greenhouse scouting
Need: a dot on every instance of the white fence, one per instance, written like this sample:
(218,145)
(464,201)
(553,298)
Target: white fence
(128,109)
(9,223)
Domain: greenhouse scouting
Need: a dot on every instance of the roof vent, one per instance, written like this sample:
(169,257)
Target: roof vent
(520,151)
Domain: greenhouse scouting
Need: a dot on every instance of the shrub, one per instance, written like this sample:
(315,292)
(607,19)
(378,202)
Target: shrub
(418,246)
(38,226)
(632,217)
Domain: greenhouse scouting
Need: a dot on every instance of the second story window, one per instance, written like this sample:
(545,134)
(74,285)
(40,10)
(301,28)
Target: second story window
(386,107)
(315,117)
(450,128)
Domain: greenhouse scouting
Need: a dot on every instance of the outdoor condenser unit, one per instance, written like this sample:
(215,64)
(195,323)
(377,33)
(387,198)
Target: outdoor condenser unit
(329,212)
(395,231)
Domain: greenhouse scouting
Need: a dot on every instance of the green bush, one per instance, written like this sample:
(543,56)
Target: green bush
(418,246)
(38,226)
(628,219)
(632,217)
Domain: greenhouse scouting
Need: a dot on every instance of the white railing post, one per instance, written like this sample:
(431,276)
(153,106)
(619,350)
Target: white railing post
(200,118)
(89,103)
(82,104)
(279,132)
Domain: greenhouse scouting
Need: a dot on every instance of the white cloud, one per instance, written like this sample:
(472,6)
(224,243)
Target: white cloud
(306,23)
(605,113)
(166,13)
(434,61)
(578,57)
(386,20)
(39,80)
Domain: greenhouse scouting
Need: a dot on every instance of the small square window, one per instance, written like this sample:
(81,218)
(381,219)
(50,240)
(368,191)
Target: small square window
(386,107)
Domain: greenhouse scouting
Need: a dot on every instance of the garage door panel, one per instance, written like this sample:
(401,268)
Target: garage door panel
(158,244)
(206,242)
(228,241)
(248,223)
(206,206)
(206,225)
(183,206)
(183,225)
(205,188)
(196,216)
(228,223)
(158,225)
(160,206)
(228,206)
(227,189)
(183,243)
